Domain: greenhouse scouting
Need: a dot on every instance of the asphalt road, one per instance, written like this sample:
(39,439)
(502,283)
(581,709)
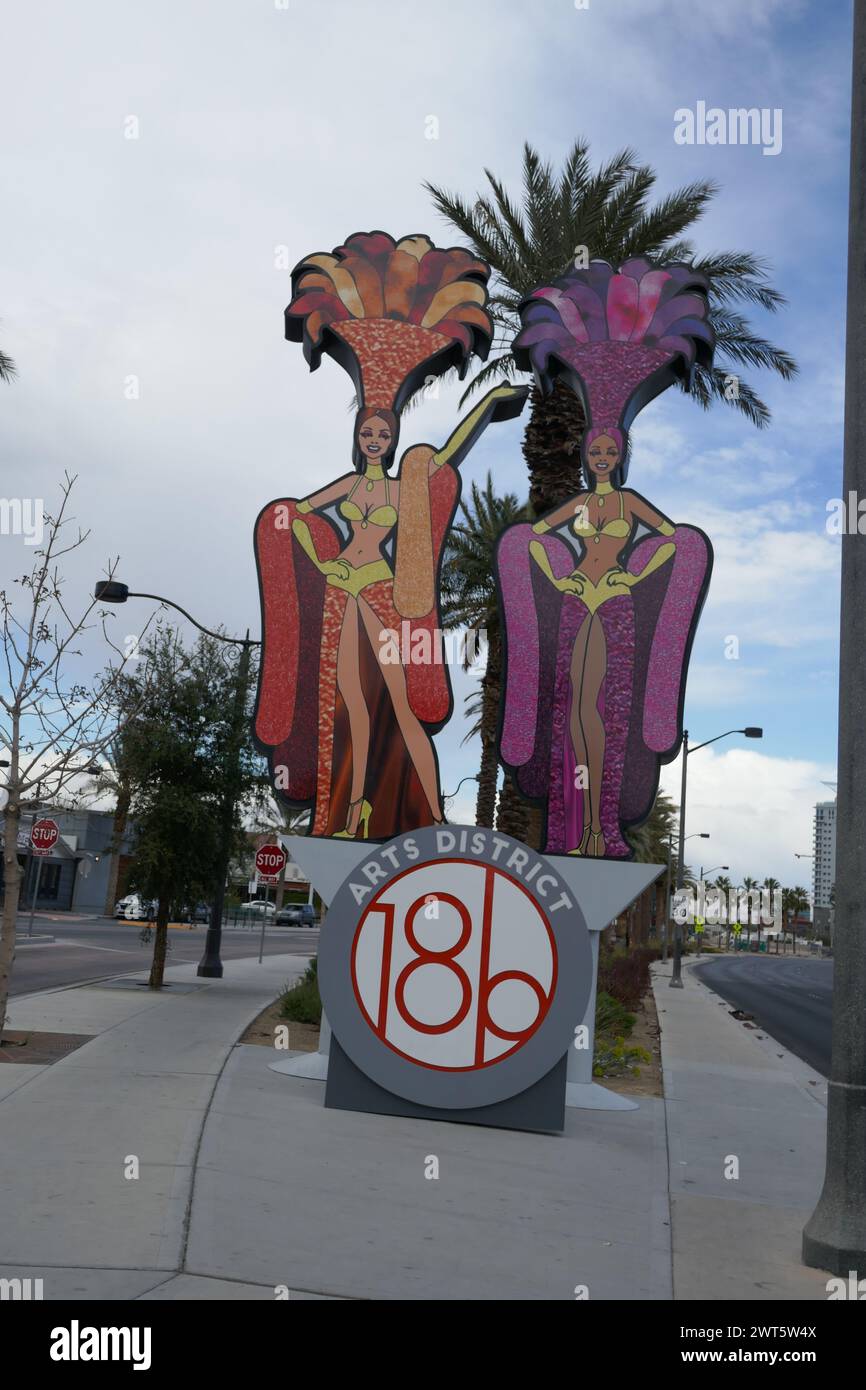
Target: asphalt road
(94,948)
(789,997)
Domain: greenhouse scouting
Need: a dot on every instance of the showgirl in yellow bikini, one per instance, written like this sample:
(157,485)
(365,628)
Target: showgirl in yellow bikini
(604,520)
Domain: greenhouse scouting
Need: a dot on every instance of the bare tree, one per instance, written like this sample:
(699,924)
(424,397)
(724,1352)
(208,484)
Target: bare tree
(52,723)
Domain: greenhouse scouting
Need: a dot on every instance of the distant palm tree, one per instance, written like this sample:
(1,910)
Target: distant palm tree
(748,885)
(724,885)
(794,901)
(533,240)
(650,842)
(771,885)
(469,601)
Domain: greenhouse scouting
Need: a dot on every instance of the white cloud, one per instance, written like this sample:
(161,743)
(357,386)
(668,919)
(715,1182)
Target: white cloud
(757,810)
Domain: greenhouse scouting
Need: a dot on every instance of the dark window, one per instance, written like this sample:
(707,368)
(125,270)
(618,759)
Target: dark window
(49,883)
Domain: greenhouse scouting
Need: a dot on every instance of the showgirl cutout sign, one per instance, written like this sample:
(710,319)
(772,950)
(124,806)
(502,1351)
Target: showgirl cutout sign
(344,570)
(601,597)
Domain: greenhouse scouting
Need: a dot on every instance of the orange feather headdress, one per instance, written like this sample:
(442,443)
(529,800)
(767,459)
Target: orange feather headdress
(391,313)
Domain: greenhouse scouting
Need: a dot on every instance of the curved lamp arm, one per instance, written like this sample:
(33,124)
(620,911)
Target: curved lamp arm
(112,591)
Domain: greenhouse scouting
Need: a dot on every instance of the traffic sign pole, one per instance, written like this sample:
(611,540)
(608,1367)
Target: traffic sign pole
(264,924)
(35,894)
(44,834)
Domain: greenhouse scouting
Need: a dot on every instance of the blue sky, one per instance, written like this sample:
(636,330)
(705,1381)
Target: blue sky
(262,127)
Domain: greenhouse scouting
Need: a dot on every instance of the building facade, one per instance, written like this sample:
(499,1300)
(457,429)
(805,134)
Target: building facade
(74,876)
(823,862)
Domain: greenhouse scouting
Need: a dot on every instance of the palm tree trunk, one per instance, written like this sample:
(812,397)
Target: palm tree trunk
(644,914)
(513,811)
(551,446)
(488,772)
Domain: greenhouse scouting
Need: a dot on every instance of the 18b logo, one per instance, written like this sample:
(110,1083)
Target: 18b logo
(461,987)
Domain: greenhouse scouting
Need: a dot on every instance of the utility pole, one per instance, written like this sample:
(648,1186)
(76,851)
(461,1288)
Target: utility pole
(677,975)
(835,1234)
(667,916)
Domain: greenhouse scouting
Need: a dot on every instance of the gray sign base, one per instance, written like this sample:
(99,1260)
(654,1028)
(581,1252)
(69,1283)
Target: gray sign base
(603,887)
(539,1109)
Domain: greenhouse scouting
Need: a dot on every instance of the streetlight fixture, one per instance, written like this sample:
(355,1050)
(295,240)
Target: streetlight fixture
(711,871)
(751,731)
(835,1234)
(112,591)
(449,796)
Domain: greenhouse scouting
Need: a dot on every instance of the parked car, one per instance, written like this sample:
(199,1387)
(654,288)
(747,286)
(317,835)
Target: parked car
(139,909)
(297,915)
(258,908)
(199,913)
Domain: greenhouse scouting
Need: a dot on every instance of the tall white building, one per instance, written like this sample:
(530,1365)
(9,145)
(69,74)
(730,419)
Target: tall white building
(824,850)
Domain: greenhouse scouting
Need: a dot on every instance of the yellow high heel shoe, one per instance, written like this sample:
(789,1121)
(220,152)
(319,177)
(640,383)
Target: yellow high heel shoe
(581,848)
(363,821)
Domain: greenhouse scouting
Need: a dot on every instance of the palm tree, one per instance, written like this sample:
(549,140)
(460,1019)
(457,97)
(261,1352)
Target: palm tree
(724,885)
(799,899)
(469,602)
(771,885)
(607,213)
(7,367)
(748,886)
(794,900)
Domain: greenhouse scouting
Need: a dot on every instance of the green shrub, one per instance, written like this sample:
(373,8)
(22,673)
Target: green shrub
(613,1058)
(611,1017)
(625,974)
(301,1002)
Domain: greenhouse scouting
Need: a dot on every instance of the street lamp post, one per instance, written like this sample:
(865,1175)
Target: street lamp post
(112,591)
(712,870)
(835,1234)
(698,835)
(750,732)
(471,777)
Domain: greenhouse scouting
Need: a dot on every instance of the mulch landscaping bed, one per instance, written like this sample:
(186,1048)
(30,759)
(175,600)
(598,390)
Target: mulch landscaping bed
(39,1049)
(303,1037)
(645,1033)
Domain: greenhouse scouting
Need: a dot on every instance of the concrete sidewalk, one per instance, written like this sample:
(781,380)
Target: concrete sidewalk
(733,1093)
(140,1089)
(247,1182)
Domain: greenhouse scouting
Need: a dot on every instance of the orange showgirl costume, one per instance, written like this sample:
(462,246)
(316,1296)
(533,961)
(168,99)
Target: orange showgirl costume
(393,314)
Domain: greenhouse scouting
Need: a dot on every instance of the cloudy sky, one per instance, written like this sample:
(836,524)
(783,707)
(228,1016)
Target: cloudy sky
(266,129)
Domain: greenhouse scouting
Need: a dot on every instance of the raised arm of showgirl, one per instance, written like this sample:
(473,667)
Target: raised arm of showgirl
(502,403)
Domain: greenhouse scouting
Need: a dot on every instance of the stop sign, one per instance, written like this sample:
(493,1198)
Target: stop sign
(43,835)
(270,862)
